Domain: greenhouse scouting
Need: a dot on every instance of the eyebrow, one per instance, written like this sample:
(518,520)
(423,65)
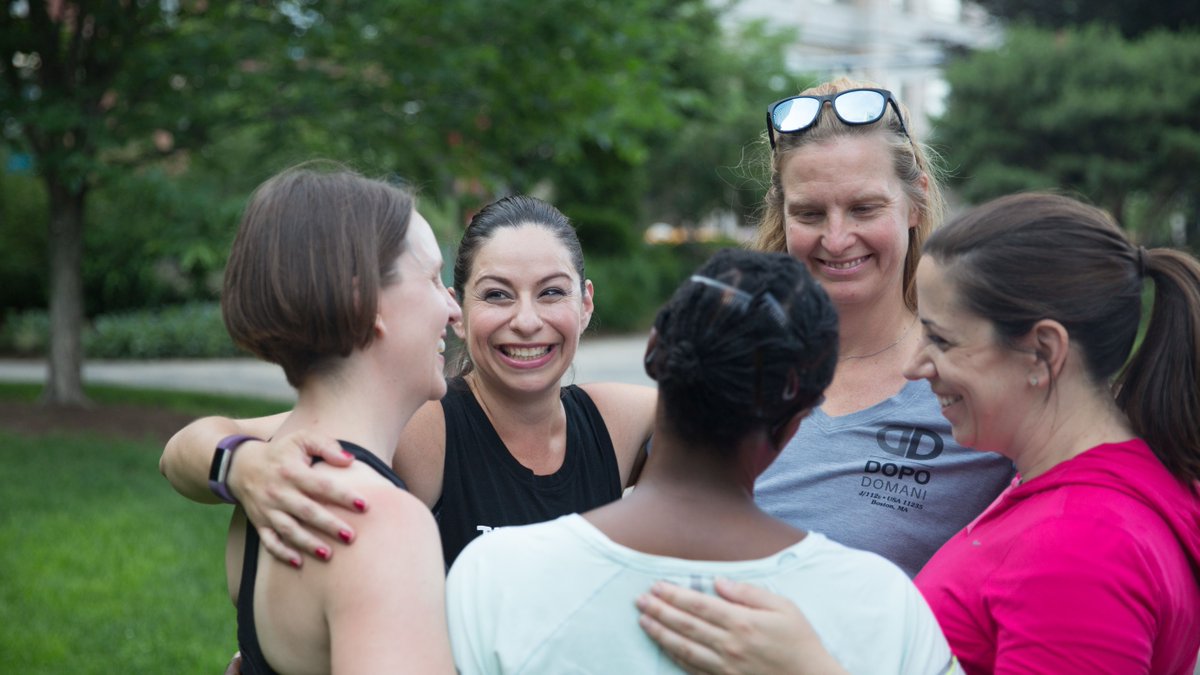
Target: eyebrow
(868,195)
(502,280)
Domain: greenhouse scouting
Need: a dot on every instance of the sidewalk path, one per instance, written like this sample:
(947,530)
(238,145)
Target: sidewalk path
(600,359)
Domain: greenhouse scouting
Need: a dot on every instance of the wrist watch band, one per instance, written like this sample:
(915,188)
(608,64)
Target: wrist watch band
(218,473)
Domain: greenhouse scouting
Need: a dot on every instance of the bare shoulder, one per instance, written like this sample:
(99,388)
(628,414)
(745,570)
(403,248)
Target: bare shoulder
(628,412)
(398,511)
(394,577)
(619,398)
(397,534)
(397,520)
(421,453)
(624,405)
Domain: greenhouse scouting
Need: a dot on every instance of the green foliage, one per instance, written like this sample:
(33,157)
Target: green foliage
(193,330)
(115,573)
(22,241)
(90,89)
(717,159)
(191,403)
(478,99)
(1080,110)
(630,289)
(154,239)
(602,203)
(621,113)
(142,80)
(184,331)
(1132,18)
(25,333)
(178,232)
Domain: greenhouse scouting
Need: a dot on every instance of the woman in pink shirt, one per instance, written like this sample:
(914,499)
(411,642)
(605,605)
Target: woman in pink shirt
(1090,561)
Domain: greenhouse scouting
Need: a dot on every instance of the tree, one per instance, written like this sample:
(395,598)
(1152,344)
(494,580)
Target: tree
(718,159)
(466,99)
(1083,110)
(1131,18)
(92,88)
(576,96)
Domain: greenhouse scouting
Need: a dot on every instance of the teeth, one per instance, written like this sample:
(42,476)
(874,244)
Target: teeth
(526,353)
(441,346)
(845,265)
(947,401)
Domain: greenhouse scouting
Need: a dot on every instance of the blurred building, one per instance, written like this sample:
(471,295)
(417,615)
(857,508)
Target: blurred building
(901,44)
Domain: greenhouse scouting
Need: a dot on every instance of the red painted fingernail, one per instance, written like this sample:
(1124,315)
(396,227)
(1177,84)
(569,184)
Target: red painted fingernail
(294,562)
(360,505)
(348,454)
(346,535)
(322,553)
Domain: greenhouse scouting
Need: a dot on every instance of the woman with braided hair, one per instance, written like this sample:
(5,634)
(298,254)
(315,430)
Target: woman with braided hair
(741,354)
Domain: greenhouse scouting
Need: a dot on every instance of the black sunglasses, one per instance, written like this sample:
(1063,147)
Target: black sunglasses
(794,114)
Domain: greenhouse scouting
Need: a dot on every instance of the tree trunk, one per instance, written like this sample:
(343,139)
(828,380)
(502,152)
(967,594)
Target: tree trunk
(64,381)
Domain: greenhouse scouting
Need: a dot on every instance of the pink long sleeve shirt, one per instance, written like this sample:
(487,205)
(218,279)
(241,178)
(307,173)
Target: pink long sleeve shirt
(1092,567)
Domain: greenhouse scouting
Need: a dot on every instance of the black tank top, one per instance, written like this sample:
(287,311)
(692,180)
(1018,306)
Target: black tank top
(485,487)
(253,661)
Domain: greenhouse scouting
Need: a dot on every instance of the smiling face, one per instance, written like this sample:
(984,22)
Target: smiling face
(523,310)
(982,385)
(414,310)
(847,218)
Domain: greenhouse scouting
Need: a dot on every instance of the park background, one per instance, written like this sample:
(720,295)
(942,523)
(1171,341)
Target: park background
(134,130)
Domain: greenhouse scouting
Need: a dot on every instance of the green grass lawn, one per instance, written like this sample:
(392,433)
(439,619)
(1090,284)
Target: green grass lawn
(103,568)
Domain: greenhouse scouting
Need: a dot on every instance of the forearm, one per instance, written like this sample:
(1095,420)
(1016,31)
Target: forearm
(187,457)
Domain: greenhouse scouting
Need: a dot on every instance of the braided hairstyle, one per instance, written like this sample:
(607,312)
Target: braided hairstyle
(749,341)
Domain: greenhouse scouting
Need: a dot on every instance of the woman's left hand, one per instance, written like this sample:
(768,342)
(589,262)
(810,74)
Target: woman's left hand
(747,630)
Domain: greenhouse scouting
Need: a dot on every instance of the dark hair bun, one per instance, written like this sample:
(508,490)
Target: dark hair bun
(749,340)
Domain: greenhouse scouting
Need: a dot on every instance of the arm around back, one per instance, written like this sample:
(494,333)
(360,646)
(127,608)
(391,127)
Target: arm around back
(187,456)
(745,630)
(274,481)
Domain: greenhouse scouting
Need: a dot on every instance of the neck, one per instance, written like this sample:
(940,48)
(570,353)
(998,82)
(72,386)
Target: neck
(357,404)
(684,483)
(1076,418)
(677,470)
(516,409)
(868,331)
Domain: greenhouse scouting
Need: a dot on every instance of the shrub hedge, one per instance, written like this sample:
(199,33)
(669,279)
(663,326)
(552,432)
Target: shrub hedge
(194,330)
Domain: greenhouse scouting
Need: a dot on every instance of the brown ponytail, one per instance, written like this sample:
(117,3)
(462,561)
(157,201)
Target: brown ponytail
(1159,389)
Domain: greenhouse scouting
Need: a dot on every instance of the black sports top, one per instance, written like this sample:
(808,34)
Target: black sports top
(253,661)
(485,487)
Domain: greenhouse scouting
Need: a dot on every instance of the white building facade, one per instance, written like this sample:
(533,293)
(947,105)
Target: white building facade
(900,44)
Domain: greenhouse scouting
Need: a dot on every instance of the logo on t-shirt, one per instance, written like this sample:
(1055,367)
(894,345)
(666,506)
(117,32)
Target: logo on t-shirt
(901,486)
(909,442)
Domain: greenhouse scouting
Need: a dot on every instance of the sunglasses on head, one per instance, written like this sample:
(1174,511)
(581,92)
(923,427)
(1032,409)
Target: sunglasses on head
(853,107)
(742,300)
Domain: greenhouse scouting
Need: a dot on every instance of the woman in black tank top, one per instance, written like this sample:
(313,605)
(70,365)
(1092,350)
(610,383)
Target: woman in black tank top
(506,446)
(377,295)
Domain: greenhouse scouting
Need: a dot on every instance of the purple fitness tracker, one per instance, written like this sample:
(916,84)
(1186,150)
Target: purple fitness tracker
(218,473)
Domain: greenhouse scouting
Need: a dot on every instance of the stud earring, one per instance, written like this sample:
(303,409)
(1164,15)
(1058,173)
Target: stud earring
(1033,381)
